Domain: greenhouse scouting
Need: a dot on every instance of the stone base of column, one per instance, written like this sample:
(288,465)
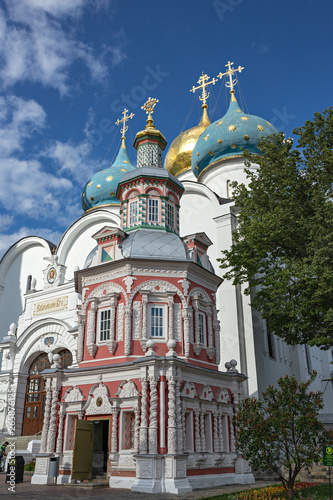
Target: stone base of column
(46,469)
(161,474)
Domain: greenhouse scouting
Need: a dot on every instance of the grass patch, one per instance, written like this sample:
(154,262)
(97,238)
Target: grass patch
(303,491)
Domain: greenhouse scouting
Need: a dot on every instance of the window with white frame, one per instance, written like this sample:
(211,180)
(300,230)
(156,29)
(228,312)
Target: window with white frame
(105,325)
(153,210)
(133,212)
(202,328)
(157,319)
(170,215)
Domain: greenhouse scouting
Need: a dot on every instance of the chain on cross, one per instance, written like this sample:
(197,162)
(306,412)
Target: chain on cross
(230,72)
(123,120)
(203,83)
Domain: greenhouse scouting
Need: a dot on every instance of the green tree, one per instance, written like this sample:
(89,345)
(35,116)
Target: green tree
(283,245)
(282,429)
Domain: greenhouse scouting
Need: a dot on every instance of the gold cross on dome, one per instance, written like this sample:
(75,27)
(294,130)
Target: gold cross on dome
(123,120)
(230,72)
(149,108)
(203,83)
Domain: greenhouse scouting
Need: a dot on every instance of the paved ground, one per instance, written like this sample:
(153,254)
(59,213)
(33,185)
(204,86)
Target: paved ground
(26,490)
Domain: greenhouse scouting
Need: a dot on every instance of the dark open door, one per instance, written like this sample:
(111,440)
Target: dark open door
(83,450)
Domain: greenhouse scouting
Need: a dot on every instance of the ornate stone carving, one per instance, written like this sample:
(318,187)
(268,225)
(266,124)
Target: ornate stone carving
(216,327)
(136,428)
(158,469)
(144,335)
(120,312)
(216,439)
(168,468)
(187,316)
(114,434)
(127,389)
(41,465)
(136,320)
(98,402)
(91,327)
(53,419)
(188,390)
(206,393)
(202,429)
(144,468)
(105,289)
(171,314)
(128,316)
(172,429)
(242,466)
(73,394)
(177,321)
(181,468)
(197,430)
(178,416)
(143,429)
(80,336)
(232,436)
(46,417)
(153,415)
(157,286)
(62,413)
(220,428)
(223,396)
(129,280)
(186,285)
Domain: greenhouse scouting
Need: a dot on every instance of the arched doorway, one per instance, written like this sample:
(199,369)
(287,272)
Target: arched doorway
(35,392)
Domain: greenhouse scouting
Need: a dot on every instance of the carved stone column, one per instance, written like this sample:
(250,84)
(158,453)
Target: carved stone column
(91,327)
(62,413)
(80,336)
(202,429)
(232,436)
(187,315)
(144,428)
(184,425)
(136,428)
(197,346)
(152,432)
(112,343)
(210,349)
(46,420)
(53,420)
(171,333)
(216,432)
(114,432)
(128,317)
(144,333)
(220,428)
(172,426)
(197,430)
(179,416)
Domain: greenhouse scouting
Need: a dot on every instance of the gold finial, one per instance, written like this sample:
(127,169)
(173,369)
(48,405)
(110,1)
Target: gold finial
(149,109)
(232,81)
(203,83)
(124,127)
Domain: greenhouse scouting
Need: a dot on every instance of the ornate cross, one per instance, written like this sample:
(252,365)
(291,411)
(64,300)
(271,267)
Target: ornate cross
(123,120)
(149,108)
(203,83)
(230,72)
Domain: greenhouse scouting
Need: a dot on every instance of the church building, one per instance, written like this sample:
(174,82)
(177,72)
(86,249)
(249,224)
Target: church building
(126,351)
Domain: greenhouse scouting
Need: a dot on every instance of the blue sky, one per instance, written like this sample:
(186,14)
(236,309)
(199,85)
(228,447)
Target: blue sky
(69,67)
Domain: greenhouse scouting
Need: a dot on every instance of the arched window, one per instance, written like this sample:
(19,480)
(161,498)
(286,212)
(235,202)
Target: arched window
(35,393)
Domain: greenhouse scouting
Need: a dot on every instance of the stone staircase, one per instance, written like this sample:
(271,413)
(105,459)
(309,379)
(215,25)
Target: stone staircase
(26,446)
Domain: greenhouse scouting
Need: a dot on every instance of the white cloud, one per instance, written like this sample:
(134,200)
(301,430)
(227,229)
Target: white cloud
(19,120)
(38,45)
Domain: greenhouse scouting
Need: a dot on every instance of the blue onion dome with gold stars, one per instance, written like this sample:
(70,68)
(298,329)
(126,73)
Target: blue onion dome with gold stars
(101,189)
(228,137)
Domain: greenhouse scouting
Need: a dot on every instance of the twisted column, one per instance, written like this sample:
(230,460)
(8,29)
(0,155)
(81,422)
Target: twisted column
(128,317)
(171,334)
(197,430)
(46,420)
(114,434)
(187,314)
(179,416)
(152,432)
(136,428)
(80,336)
(53,419)
(202,430)
(91,327)
(143,427)
(172,426)
(62,413)
(220,427)
(144,334)
(216,327)
(232,436)
(216,432)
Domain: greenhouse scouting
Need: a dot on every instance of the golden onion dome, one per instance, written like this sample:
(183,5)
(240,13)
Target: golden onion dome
(178,157)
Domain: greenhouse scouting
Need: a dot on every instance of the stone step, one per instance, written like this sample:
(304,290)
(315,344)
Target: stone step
(21,442)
